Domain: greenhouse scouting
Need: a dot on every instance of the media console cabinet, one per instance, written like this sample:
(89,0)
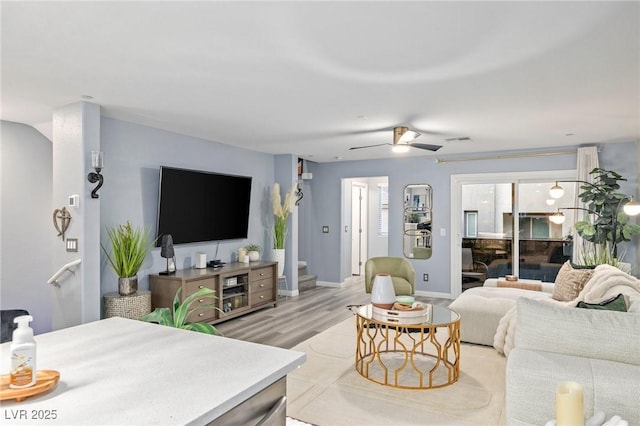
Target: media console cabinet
(239,287)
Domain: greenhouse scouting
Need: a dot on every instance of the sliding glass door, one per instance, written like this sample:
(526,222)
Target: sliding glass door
(501,227)
(487,240)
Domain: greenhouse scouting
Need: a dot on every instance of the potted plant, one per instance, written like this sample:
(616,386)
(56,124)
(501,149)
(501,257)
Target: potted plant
(281,211)
(253,251)
(177,315)
(129,247)
(607,225)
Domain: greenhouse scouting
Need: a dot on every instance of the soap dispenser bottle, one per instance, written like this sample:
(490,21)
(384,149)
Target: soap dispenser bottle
(23,354)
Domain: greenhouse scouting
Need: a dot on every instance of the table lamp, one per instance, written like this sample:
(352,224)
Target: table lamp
(167,251)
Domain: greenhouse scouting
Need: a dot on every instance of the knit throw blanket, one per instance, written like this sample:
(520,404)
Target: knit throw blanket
(606,282)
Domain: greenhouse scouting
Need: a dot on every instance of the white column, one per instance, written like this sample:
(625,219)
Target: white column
(286,174)
(76,132)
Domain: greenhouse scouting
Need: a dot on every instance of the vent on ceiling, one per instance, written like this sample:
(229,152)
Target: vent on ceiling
(460,139)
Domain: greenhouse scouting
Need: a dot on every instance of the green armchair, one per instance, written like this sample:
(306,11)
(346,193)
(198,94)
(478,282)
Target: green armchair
(402,274)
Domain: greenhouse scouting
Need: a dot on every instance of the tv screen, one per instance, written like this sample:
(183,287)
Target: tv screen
(196,206)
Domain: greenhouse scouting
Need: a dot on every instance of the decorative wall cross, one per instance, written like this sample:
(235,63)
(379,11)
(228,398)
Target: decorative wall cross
(64,217)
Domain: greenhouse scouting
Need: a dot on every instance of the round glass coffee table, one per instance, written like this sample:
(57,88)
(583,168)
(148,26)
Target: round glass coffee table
(421,351)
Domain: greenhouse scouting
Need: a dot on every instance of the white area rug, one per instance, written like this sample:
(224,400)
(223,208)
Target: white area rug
(327,390)
(294,422)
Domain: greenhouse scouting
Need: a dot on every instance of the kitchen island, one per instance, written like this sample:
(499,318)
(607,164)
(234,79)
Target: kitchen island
(119,371)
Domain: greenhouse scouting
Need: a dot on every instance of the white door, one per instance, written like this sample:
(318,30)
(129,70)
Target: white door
(358,227)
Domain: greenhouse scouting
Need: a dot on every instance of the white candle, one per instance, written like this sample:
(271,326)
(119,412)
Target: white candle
(569,404)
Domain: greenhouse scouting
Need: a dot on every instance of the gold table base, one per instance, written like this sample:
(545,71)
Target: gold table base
(407,356)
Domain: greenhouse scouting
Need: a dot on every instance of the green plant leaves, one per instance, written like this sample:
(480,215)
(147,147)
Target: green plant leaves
(129,248)
(177,315)
(606,227)
(161,316)
(585,229)
(201,327)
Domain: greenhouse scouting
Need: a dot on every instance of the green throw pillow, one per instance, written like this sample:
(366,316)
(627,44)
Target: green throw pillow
(575,266)
(615,304)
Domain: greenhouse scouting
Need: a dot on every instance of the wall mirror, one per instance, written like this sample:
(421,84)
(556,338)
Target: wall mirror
(417,221)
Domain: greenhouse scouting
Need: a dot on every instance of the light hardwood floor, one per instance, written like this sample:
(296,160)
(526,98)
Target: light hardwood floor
(296,319)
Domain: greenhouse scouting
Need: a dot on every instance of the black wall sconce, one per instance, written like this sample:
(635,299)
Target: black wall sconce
(97,160)
(299,193)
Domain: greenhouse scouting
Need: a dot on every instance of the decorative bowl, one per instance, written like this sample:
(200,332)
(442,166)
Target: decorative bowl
(405,300)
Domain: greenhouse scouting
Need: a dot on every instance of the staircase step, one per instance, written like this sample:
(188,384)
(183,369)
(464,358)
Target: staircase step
(306,282)
(302,268)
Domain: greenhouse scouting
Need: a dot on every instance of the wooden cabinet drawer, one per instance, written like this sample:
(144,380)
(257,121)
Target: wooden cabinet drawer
(261,274)
(262,296)
(261,285)
(191,287)
(205,313)
(201,314)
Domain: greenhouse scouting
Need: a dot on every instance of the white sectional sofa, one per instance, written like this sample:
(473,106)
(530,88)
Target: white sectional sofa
(481,308)
(598,349)
(548,341)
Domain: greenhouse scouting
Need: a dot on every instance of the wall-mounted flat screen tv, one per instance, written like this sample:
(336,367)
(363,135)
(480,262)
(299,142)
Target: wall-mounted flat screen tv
(196,206)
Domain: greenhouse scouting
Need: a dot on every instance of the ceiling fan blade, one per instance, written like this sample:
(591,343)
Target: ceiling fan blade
(426,146)
(368,146)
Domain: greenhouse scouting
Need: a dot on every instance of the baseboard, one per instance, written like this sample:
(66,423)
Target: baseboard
(435,294)
(329,284)
(288,293)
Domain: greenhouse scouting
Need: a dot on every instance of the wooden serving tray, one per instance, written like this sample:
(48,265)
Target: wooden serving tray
(414,313)
(45,380)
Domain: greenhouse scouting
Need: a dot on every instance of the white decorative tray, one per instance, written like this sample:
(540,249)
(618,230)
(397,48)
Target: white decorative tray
(403,317)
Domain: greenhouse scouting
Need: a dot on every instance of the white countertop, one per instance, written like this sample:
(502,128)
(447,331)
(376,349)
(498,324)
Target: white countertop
(124,372)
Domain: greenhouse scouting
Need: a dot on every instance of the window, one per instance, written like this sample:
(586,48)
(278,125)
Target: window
(470,224)
(383,210)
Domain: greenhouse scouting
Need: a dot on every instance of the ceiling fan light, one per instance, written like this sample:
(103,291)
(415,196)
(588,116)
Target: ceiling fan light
(400,148)
(402,134)
(407,136)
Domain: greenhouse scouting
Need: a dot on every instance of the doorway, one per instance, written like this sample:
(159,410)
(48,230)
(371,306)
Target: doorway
(364,223)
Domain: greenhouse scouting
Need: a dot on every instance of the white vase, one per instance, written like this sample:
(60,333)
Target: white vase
(254,256)
(382,293)
(277,255)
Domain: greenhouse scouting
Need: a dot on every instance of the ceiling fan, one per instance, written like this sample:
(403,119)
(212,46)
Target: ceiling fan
(401,141)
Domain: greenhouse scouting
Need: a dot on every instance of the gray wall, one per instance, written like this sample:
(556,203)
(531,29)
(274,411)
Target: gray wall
(27,234)
(323,256)
(133,156)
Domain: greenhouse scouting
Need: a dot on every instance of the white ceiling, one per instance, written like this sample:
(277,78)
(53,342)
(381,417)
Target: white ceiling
(315,78)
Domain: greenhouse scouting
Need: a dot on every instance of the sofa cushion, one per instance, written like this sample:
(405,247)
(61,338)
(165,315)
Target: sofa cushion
(548,327)
(544,286)
(614,304)
(611,387)
(481,309)
(569,282)
(523,286)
